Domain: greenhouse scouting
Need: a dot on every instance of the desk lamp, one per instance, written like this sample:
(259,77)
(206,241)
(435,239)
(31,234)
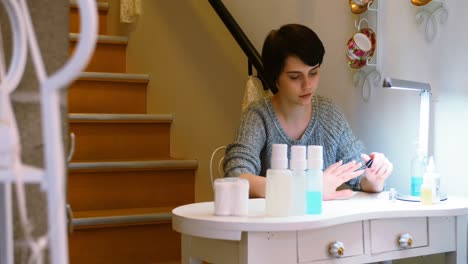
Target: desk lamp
(425,92)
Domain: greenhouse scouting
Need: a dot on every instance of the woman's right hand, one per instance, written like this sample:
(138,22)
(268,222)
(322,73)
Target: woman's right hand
(337,174)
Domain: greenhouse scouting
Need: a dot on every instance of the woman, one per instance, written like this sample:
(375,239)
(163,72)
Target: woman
(295,115)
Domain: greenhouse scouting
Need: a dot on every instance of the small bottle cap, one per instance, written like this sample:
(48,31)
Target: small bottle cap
(428,178)
(279,156)
(392,194)
(298,158)
(314,157)
(431,165)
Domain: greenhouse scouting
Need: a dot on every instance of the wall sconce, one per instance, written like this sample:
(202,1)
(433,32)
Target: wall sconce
(425,93)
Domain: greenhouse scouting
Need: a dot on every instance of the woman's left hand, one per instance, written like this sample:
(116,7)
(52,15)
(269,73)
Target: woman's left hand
(375,176)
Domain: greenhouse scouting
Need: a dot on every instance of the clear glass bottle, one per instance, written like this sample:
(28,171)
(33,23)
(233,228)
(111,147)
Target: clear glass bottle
(418,166)
(314,180)
(278,183)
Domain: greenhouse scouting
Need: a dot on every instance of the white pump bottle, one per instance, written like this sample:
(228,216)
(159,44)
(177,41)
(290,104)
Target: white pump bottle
(314,179)
(298,165)
(278,183)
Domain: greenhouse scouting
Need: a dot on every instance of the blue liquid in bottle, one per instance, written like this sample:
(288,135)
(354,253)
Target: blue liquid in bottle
(418,166)
(416,183)
(314,180)
(314,202)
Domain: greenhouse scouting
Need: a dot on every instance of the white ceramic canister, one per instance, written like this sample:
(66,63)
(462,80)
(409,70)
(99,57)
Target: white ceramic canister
(231,197)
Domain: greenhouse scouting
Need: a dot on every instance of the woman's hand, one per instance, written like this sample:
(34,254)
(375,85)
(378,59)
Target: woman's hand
(337,174)
(375,176)
(257,185)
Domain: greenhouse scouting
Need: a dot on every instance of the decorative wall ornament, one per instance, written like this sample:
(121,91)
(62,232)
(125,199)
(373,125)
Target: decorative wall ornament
(431,16)
(367,80)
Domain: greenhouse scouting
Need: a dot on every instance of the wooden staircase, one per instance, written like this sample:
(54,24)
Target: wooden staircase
(122,181)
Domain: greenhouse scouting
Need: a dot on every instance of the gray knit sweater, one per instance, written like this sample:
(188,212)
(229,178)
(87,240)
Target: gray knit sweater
(260,128)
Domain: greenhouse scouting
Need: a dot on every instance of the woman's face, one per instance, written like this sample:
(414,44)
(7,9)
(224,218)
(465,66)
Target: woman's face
(298,81)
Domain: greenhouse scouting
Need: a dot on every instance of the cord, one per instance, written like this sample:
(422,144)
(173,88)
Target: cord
(220,164)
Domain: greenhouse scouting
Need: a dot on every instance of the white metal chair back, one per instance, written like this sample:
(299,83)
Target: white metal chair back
(219,165)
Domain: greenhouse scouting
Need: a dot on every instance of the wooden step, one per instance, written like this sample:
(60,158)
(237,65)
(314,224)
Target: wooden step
(118,185)
(96,92)
(74,24)
(141,235)
(120,137)
(109,55)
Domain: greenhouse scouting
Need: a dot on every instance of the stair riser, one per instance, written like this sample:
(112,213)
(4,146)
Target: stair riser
(120,141)
(87,96)
(107,57)
(75,21)
(127,244)
(95,190)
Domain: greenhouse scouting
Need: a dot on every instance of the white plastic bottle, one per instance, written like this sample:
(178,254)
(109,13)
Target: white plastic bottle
(298,165)
(278,183)
(314,180)
(431,172)
(427,189)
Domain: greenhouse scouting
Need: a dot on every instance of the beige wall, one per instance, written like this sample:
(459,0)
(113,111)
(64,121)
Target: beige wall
(197,72)
(114,27)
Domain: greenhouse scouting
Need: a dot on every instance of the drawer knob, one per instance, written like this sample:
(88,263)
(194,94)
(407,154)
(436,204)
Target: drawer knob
(405,241)
(336,249)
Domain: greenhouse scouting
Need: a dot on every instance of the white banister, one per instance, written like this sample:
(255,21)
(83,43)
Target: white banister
(54,166)
(8,130)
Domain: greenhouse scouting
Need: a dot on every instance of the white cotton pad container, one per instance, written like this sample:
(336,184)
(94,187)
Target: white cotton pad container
(231,197)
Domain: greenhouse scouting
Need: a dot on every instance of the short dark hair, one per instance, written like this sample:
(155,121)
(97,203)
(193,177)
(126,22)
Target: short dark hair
(290,40)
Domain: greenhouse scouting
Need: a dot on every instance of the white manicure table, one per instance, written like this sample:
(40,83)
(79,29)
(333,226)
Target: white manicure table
(366,228)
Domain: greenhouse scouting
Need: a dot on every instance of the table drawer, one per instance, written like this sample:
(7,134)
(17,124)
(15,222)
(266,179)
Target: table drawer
(314,244)
(386,233)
